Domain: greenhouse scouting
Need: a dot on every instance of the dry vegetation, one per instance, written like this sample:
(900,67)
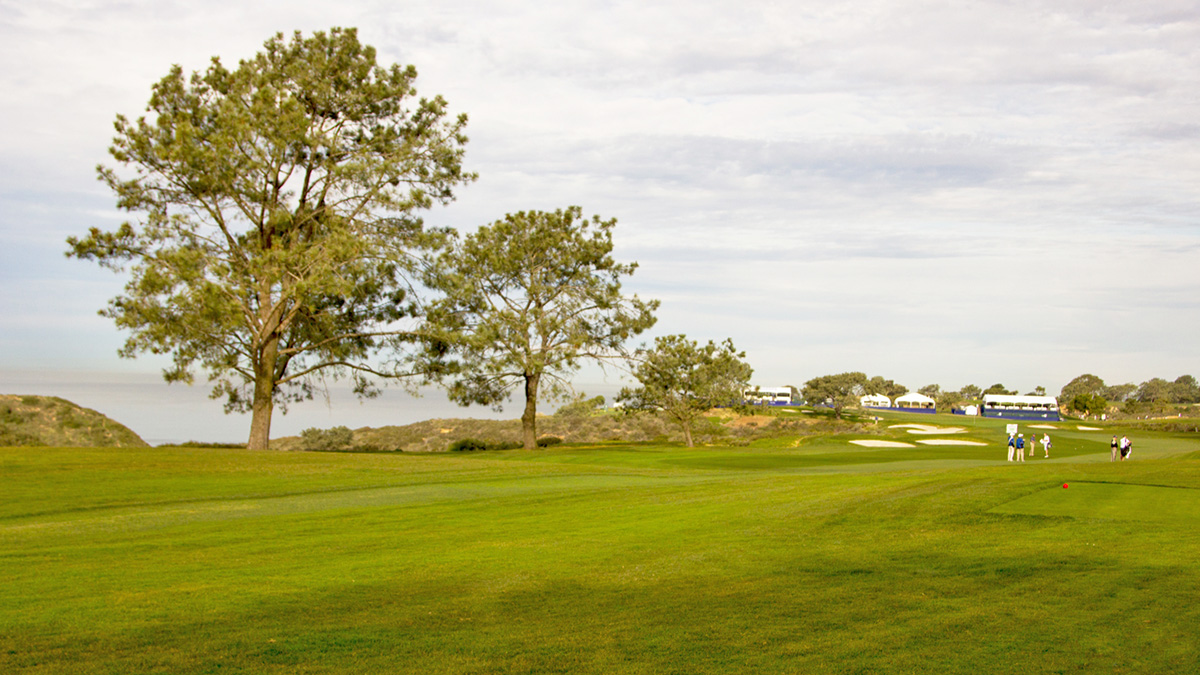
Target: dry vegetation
(52,421)
(724,426)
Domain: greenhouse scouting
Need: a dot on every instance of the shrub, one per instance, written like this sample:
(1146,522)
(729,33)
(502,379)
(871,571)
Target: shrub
(467,445)
(13,437)
(474,444)
(547,441)
(321,440)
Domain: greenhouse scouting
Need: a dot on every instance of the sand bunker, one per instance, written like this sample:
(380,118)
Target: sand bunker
(948,441)
(1089,428)
(929,429)
(1042,426)
(883,444)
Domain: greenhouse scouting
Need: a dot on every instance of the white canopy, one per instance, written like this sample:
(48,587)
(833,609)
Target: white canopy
(1017,402)
(914,400)
(876,401)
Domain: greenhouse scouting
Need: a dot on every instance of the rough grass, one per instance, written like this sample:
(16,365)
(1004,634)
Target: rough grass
(52,421)
(788,555)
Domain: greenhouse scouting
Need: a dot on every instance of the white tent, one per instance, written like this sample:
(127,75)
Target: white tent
(913,400)
(875,401)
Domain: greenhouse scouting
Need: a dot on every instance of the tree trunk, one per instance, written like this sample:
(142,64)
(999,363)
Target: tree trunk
(263,404)
(687,435)
(529,417)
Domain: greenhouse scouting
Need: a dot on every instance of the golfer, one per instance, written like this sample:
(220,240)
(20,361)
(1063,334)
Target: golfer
(1115,446)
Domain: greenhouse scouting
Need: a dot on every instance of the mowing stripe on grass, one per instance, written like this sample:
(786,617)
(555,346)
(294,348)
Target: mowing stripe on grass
(1111,501)
(158,515)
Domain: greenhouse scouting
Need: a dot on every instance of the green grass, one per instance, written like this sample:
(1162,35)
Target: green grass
(1166,506)
(802,555)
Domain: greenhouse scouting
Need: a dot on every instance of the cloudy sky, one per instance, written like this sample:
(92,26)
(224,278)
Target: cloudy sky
(936,192)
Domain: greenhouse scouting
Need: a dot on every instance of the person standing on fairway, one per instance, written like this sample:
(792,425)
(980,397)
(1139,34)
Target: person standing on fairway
(1020,447)
(1012,445)
(1045,445)
(1115,445)
(1124,447)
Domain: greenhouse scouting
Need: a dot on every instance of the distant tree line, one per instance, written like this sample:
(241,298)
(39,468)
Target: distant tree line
(1089,394)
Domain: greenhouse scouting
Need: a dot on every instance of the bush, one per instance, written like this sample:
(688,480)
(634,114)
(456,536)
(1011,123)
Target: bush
(474,445)
(547,441)
(321,440)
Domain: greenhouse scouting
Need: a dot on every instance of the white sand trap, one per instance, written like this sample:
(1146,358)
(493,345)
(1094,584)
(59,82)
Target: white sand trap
(929,429)
(1042,426)
(789,410)
(883,444)
(948,441)
(1089,428)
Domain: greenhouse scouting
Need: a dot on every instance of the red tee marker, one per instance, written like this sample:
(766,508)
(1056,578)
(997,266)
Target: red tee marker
(1064,486)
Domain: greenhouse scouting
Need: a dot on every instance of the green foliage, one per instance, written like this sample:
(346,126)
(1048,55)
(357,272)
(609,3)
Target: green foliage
(1119,392)
(476,445)
(836,391)
(1090,404)
(1155,390)
(525,301)
(971,393)
(274,235)
(948,400)
(580,406)
(1084,384)
(878,385)
(684,379)
(1185,389)
(1139,408)
(326,440)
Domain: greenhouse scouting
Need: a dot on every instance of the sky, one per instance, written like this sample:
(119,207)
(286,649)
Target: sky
(932,191)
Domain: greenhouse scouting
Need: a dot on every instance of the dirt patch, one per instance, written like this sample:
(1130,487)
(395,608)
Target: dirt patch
(752,421)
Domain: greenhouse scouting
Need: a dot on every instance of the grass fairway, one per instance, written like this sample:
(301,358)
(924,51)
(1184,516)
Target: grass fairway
(792,556)
(1164,506)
